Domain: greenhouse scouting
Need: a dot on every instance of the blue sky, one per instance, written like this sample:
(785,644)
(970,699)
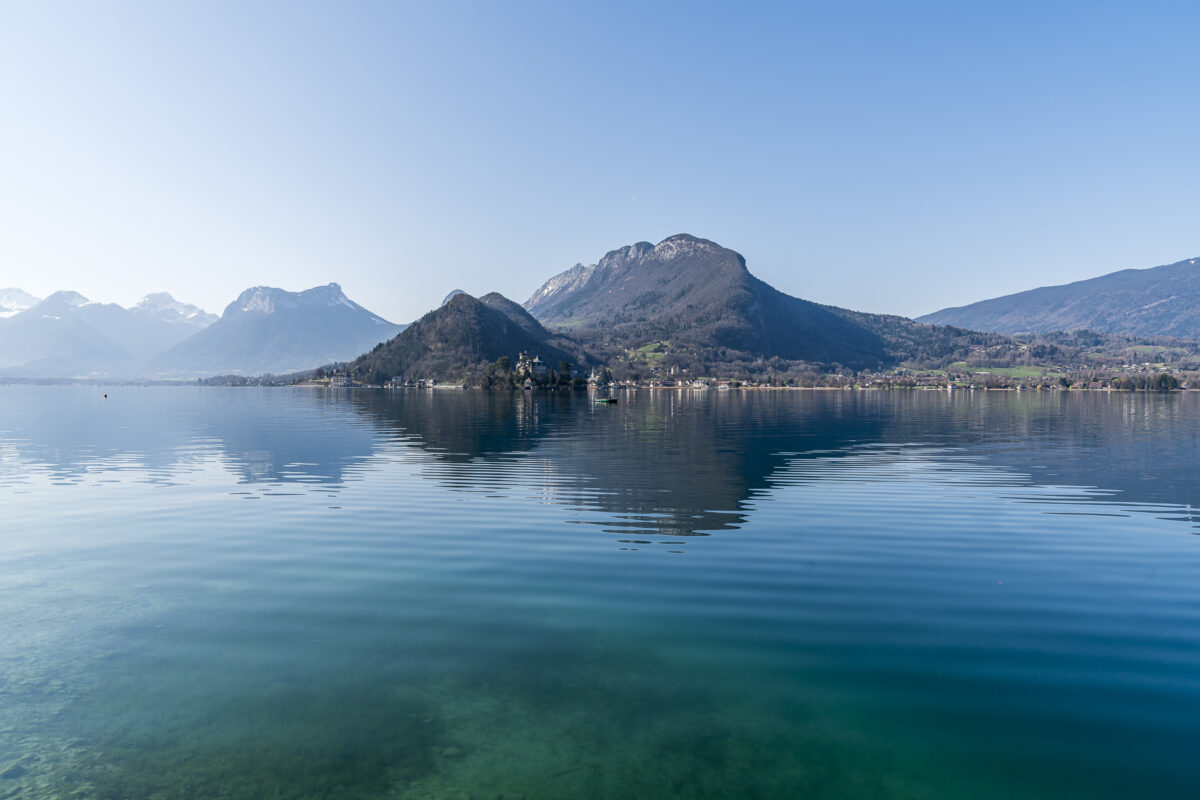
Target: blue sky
(891,157)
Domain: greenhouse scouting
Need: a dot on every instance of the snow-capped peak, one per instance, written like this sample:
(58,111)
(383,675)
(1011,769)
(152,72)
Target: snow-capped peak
(14,301)
(157,301)
(162,306)
(67,298)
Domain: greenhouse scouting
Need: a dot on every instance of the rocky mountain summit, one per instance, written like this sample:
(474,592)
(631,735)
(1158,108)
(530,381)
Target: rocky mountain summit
(699,296)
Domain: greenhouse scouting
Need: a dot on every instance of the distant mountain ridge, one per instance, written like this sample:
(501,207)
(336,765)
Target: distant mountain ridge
(264,330)
(66,335)
(164,307)
(13,301)
(1159,301)
(271,330)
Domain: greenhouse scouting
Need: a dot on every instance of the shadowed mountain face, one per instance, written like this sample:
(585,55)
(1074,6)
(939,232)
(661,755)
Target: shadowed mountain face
(1162,301)
(699,295)
(268,330)
(463,334)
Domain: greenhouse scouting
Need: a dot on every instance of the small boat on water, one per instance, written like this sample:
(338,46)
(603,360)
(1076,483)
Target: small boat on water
(606,401)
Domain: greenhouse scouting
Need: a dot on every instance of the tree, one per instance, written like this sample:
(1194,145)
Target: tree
(1165,382)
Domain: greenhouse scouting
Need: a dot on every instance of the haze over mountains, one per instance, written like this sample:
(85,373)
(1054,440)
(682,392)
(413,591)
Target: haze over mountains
(13,301)
(184,316)
(264,330)
(1160,301)
(67,335)
(269,330)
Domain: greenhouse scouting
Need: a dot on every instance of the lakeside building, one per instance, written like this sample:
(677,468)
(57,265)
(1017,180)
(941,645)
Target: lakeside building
(532,367)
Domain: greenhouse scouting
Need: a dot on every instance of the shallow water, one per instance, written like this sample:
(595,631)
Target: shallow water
(278,593)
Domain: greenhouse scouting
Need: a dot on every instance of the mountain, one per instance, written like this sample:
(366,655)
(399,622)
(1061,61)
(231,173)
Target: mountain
(144,330)
(1160,301)
(184,316)
(67,336)
(13,301)
(699,296)
(463,334)
(269,330)
(59,338)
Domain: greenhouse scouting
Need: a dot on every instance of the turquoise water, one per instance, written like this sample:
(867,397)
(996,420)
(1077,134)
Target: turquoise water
(278,593)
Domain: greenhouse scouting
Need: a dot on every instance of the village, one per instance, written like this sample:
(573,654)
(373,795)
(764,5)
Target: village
(529,372)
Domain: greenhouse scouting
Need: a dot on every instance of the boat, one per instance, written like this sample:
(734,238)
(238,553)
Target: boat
(606,401)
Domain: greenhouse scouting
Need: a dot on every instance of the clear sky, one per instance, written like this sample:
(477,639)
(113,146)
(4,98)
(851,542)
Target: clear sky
(890,157)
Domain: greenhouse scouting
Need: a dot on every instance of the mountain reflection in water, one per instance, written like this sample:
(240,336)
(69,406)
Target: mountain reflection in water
(661,463)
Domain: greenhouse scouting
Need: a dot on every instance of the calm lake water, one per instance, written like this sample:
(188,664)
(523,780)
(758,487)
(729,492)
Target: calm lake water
(278,593)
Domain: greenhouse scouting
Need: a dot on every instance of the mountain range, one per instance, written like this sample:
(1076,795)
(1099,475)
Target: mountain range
(66,335)
(264,330)
(1160,301)
(269,330)
(684,303)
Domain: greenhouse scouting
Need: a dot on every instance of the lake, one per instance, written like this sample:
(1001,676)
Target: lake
(295,593)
